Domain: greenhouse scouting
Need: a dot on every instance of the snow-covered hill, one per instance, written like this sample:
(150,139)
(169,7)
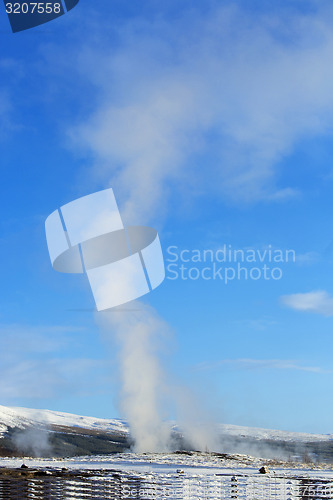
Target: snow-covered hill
(22,418)
(25,431)
(270,434)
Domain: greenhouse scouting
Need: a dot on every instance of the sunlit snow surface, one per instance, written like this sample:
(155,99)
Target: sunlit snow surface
(165,476)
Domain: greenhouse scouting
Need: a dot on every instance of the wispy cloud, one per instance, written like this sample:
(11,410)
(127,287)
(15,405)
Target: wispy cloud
(41,339)
(5,112)
(37,362)
(319,302)
(308,258)
(42,379)
(259,324)
(218,89)
(259,364)
(10,72)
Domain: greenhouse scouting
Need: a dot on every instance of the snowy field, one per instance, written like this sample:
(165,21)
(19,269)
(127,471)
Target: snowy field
(169,463)
(161,476)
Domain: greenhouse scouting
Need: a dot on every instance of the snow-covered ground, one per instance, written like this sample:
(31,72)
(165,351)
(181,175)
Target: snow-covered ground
(157,463)
(182,475)
(164,463)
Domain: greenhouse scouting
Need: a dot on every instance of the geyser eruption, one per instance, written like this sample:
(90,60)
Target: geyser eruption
(139,333)
(122,264)
(148,393)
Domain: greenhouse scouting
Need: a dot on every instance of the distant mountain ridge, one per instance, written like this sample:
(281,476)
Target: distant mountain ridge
(25,431)
(22,418)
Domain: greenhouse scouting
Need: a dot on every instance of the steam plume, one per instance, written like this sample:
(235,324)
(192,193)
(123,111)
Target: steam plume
(139,333)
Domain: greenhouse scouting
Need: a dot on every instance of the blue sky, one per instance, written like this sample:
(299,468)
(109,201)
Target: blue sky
(212,121)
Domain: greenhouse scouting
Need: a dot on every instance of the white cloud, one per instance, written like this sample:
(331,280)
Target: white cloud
(207,103)
(261,364)
(319,302)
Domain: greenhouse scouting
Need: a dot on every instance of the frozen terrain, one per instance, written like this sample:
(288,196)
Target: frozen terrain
(161,477)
